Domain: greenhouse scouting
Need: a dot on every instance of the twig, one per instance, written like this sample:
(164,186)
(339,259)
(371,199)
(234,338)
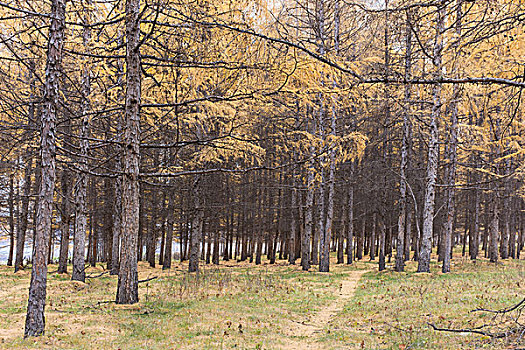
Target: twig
(477,331)
(148,279)
(502,311)
(462,330)
(101,274)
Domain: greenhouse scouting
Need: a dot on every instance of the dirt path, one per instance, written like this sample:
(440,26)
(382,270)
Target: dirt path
(317,322)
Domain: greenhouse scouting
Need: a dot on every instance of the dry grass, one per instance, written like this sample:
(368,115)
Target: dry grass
(240,306)
(393,311)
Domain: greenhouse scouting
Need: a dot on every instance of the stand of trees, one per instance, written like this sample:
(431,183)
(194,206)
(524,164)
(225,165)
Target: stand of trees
(240,130)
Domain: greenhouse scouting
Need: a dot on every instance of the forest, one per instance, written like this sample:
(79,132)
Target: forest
(262,174)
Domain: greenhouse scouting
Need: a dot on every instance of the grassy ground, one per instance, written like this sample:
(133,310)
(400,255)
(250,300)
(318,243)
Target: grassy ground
(240,306)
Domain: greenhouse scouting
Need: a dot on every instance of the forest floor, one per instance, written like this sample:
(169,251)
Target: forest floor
(242,306)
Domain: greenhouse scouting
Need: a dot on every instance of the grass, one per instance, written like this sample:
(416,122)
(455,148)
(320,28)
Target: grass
(392,310)
(242,306)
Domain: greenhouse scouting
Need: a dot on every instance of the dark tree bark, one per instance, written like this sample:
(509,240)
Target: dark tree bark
(408,232)
(79,240)
(117,225)
(108,223)
(35,319)
(494,229)
(142,223)
(341,233)
(151,241)
(512,231)
(451,169)
(170,219)
(127,289)
(216,242)
(300,225)
(319,226)
(401,224)
(229,232)
(116,230)
(260,221)
(65,222)
(308,221)
(24,211)
(243,221)
(433,148)
(382,243)
(11,204)
(350,218)
(361,243)
(373,237)
(474,229)
(93,224)
(505,233)
(326,233)
(196,227)
(162,237)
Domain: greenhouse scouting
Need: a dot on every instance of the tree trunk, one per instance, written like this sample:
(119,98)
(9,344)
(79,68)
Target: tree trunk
(260,224)
(408,231)
(505,233)
(66,215)
(162,235)
(35,319)
(229,232)
(93,224)
(79,244)
(151,243)
(453,141)
(117,224)
(142,223)
(512,232)
(486,225)
(382,241)
(24,211)
(433,148)
(401,224)
(308,220)
(293,222)
(350,219)
(216,242)
(474,230)
(196,228)
(341,231)
(373,237)
(79,238)
(326,234)
(11,203)
(319,227)
(108,223)
(127,288)
(494,229)
(170,220)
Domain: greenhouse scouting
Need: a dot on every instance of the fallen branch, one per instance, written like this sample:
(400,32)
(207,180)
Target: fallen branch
(502,311)
(463,330)
(148,279)
(508,325)
(477,331)
(99,275)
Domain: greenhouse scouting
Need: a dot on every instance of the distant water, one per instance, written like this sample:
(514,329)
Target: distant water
(28,250)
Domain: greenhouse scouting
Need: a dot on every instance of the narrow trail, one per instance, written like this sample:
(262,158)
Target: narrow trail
(316,323)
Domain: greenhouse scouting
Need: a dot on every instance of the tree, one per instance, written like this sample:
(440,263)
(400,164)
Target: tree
(35,319)
(433,146)
(127,290)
